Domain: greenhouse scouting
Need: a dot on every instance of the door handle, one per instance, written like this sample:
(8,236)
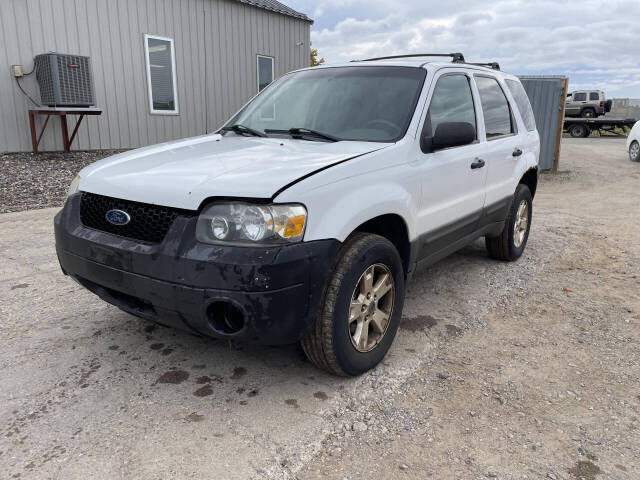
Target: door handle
(517,152)
(479,163)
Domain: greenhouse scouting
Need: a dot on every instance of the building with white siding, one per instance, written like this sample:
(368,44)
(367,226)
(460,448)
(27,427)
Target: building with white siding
(162,69)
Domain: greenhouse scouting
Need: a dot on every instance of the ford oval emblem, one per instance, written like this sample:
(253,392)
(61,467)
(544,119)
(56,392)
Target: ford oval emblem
(118,217)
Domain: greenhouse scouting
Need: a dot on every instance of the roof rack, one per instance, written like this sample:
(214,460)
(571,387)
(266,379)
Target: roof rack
(493,65)
(455,57)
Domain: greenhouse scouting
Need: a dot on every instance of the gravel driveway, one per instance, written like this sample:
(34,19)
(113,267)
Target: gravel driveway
(29,181)
(514,371)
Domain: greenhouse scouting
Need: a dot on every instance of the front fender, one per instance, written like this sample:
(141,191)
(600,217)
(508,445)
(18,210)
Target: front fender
(359,206)
(335,210)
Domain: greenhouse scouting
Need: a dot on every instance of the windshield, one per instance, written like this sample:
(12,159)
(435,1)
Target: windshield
(372,104)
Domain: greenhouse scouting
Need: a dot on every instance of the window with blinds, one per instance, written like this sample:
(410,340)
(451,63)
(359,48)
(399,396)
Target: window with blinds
(161,75)
(265,71)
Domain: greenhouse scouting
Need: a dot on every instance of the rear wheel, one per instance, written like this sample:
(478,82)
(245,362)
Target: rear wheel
(510,244)
(361,309)
(578,131)
(634,151)
(588,113)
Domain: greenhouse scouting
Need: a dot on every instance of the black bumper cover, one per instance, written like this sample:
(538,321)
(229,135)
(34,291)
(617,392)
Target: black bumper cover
(278,289)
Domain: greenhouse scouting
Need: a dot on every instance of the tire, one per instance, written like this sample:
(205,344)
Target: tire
(331,343)
(588,113)
(579,131)
(634,151)
(507,246)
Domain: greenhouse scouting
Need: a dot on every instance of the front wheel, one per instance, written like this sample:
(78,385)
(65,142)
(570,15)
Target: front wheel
(510,244)
(634,151)
(361,309)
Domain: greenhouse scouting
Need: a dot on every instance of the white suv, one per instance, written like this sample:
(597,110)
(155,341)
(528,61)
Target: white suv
(303,218)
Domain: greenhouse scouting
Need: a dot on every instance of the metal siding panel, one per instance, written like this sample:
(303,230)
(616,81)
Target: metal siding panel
(217,96)
(119,85)
(171,14)
(235,86)
(544,95)
(150,25)
(215,103)
(25,47)
(136,72)
(226,64)
(175,121)
(9,134)
(209,72)
(146,24)
(200,47)
(94,42)
(253,50)
(125,71)
(110,107)
(83,137)
(160,29)
(183,59)
(48,29)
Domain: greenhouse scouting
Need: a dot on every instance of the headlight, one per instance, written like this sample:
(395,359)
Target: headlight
(251,224)
(73,188)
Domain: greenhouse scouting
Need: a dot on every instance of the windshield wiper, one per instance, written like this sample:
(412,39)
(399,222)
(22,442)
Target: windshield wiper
(298,132)
(242,130)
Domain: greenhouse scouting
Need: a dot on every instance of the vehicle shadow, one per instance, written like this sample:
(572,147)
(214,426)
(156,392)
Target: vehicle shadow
(213,362)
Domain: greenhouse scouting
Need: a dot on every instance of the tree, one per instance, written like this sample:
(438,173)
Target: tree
(315,61)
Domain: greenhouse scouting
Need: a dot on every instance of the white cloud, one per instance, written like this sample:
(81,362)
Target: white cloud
(595,43)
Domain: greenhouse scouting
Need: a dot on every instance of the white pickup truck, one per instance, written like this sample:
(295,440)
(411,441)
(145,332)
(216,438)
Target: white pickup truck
(303,218)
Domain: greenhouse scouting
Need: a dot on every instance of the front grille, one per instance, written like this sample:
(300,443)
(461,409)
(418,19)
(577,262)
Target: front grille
(149,223)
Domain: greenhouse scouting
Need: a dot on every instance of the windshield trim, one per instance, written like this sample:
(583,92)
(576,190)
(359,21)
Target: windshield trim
(401,135)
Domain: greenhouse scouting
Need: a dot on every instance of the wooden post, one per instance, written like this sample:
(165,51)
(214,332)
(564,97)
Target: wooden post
(563,100)
(65,133)
(32,126)
(75,130)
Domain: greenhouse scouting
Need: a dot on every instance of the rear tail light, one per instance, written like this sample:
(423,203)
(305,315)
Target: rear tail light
(601,103)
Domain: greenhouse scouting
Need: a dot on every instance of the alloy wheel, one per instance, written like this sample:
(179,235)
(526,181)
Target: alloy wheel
(521,223)
(371,307)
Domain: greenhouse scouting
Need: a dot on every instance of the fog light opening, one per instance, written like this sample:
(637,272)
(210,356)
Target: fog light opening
(225,317)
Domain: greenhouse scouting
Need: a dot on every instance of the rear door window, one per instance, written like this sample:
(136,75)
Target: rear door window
(522,101)
(495,108)
(594,96)
(452,101)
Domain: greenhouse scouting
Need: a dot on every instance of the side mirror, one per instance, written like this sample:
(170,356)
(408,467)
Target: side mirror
(449,134)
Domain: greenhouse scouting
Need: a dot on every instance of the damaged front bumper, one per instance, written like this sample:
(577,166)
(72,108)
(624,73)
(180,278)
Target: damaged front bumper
(267,295)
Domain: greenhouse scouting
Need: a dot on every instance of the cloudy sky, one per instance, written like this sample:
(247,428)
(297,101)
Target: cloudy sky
(596,43)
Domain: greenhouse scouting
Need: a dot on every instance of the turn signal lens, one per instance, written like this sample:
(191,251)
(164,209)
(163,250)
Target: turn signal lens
(294,226)
(251,224)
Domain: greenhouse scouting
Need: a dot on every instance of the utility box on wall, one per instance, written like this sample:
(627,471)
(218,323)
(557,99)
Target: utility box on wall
(65,80)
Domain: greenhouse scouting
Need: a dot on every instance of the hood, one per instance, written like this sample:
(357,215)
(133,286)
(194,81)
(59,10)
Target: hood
(183,173)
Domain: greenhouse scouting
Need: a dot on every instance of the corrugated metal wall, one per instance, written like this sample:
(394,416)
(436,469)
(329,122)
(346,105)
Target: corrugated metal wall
(547,100)
(216,43)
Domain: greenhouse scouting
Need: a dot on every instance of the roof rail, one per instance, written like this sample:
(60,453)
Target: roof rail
(455,57)
(493,65)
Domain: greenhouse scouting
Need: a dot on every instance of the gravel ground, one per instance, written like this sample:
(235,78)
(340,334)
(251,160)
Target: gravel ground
(29,181)
(526,370)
